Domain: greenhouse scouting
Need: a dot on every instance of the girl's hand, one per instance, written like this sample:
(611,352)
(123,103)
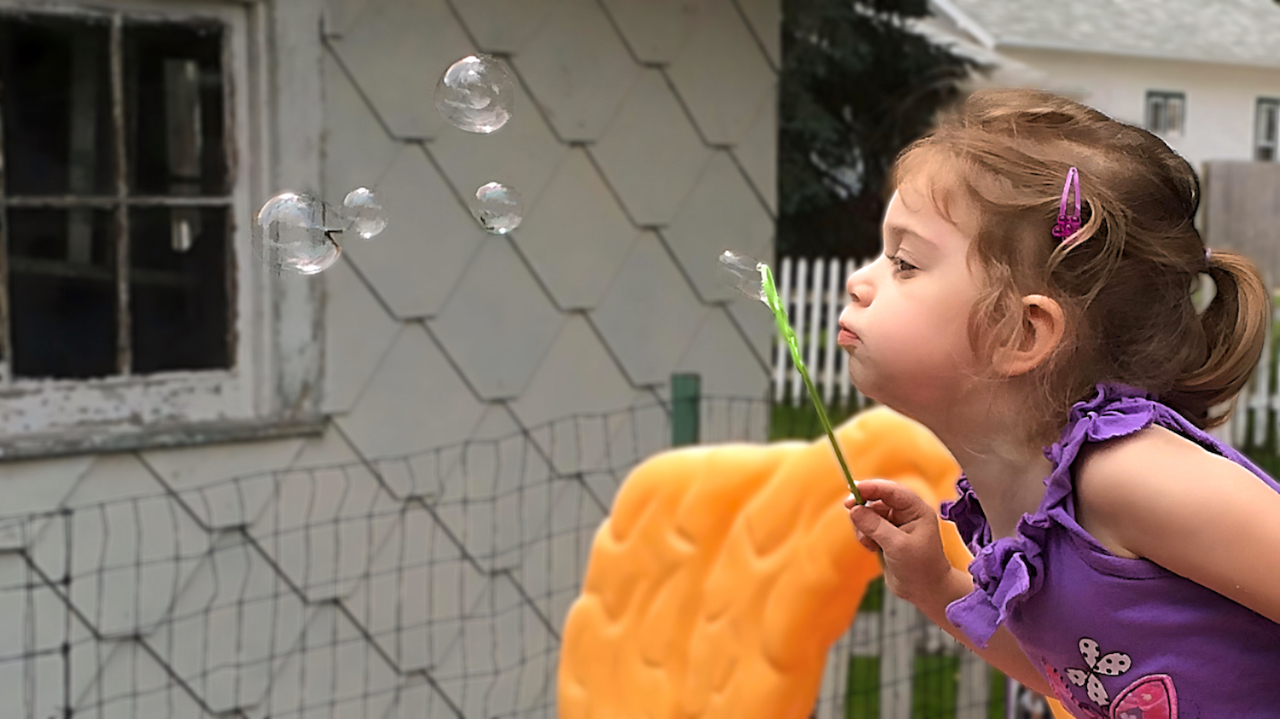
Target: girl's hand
(898,523)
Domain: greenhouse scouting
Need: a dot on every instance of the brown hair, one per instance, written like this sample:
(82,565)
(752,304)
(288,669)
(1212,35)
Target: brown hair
(1124,280)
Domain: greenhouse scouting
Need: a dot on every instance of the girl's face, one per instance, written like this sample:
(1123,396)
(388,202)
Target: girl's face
(906,327)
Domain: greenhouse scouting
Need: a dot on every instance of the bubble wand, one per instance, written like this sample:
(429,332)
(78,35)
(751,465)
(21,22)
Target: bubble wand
(744,269)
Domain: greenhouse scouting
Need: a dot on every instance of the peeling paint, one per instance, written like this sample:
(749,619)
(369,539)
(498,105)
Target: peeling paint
(264,392)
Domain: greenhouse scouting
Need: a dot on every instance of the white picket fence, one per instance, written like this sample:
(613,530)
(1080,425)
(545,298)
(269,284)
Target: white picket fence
(813,291)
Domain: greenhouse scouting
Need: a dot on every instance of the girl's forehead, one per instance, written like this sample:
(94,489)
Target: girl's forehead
(943,195)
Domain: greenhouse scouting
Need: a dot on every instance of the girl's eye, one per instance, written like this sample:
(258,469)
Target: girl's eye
(900,265)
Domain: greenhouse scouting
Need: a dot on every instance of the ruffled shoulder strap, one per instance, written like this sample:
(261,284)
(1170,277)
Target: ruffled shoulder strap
(1009,570)
(966,513)
(1114,411)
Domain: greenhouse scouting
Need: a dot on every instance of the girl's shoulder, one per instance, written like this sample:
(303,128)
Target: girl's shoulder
(1151,467)
(1158,495)
(1115,478)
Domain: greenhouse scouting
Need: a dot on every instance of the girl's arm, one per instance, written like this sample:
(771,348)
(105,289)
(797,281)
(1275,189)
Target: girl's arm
(1002,652)
(896,521)
(1199,515)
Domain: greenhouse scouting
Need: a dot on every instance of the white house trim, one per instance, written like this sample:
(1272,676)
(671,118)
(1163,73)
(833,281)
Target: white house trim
(272,65)
(965,23)
(1021,44)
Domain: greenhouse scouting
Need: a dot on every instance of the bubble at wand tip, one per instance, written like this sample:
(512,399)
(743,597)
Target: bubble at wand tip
(743,273)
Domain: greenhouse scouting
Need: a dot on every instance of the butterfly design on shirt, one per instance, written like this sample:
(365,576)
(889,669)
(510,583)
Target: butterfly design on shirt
(1151,697)
(1112,664)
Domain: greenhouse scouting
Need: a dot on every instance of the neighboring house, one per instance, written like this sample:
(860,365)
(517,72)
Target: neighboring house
(146,352)
(1205,76)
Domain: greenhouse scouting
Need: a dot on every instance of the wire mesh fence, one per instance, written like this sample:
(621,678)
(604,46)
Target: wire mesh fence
(433,584)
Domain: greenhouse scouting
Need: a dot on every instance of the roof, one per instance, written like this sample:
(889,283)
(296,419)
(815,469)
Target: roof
(1243,32)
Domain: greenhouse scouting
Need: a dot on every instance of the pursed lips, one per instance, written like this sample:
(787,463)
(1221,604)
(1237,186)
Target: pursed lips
(846,337)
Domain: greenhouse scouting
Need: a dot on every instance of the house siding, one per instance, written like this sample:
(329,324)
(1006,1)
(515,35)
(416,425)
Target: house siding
(316,576)
(1221,99)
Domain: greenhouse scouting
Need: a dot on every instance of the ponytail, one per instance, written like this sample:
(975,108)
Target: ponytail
(1235,324)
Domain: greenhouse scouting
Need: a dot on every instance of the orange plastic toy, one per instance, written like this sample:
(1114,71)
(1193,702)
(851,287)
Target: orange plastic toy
(725,573)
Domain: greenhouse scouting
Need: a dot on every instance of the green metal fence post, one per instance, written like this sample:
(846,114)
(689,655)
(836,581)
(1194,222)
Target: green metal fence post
(686,394)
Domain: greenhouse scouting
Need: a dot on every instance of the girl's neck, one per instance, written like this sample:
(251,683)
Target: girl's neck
(1006,470)
(1008,483)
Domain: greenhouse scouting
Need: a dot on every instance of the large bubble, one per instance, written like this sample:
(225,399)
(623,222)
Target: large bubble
(293,230)
(475,94)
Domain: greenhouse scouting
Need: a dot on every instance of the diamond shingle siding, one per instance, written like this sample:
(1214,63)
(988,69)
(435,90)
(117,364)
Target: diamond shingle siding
(487,393)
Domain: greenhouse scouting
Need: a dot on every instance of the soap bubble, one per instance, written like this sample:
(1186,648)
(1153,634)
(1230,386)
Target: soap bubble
(743,274)
(309,259)
(364,212)
(475,94)
(497,208)
(292,232)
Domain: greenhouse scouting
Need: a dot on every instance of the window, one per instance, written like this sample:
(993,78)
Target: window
(1166,113)
(1266,130)
(130,306)
(116,198)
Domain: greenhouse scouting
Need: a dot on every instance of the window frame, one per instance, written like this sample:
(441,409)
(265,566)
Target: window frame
(273,386)
(1163,97)
(1259,142)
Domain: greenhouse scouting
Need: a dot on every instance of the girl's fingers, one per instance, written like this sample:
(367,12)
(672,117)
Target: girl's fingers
(865,541)
(894,497)
(875,527)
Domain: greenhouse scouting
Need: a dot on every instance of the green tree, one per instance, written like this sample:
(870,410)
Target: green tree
(857,85)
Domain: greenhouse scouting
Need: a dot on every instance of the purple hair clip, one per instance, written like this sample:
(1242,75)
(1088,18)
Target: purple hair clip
(1068,225)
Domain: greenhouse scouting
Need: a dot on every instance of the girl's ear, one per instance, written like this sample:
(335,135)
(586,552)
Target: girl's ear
(1042,327)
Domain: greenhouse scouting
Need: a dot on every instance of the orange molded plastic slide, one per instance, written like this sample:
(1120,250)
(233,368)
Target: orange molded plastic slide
(725,573)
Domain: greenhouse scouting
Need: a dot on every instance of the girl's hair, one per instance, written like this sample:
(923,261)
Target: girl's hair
(1123,280)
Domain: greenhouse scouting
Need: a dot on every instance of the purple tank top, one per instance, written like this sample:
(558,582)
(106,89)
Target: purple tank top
(1116,638)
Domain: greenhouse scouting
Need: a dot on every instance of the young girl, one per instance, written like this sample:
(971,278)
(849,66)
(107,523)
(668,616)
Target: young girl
(1033,307)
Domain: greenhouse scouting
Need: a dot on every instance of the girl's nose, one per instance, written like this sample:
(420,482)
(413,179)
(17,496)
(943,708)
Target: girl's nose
(859,286)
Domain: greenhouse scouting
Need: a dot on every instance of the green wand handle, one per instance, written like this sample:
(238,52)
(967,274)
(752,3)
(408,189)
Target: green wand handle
(789,336)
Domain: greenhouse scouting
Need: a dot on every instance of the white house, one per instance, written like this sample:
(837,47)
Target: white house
(1205,76)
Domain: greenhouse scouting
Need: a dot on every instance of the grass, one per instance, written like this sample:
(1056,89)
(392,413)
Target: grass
(934,690)
(935,686)
(862,698)
(788,422)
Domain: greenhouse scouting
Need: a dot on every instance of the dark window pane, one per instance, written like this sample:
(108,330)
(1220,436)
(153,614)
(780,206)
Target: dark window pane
(62,293)
(178,291)
(1155,114)
(174,108)
(1266,131)
(1174,114)
(55,95)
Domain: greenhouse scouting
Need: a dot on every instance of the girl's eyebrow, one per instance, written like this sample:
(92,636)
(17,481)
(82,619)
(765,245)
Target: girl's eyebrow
(901,231)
